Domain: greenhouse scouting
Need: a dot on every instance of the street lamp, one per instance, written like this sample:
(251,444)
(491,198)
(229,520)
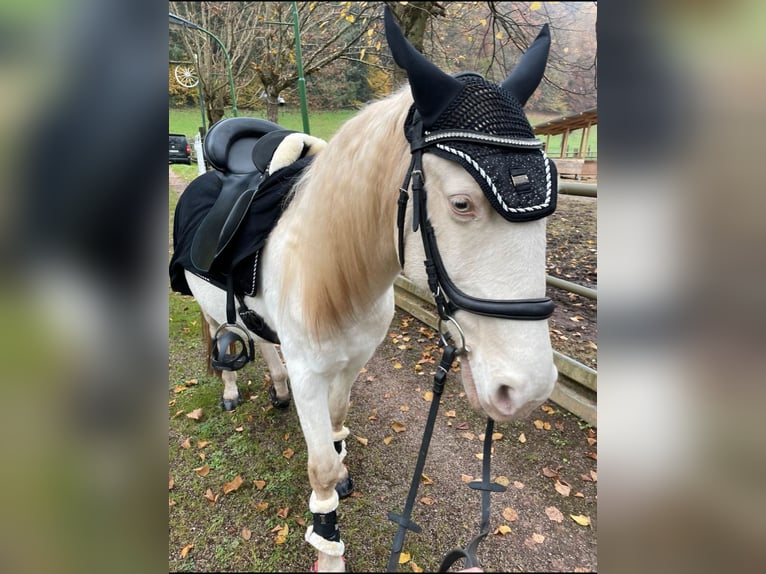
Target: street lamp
(186,24)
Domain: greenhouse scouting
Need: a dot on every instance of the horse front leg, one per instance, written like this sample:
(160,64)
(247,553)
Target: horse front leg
(340,392)
(325,470)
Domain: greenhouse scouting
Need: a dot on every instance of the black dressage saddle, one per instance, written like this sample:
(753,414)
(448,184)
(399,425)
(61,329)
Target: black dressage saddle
(240,150)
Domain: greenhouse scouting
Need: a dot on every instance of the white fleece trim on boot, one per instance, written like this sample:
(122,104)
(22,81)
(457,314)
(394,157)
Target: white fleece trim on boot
(323,506)
(343,452)
(323,545)
(342,434)
(291,148)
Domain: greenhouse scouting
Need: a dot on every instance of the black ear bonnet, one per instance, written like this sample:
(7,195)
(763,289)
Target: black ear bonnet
(516,176)
(481,125)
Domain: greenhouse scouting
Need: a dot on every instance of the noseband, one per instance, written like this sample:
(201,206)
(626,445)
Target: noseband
(447,296)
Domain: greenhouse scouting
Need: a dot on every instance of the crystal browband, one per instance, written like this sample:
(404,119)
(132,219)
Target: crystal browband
(479,137)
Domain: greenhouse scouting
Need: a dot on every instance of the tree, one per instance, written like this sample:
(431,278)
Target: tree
(260,39)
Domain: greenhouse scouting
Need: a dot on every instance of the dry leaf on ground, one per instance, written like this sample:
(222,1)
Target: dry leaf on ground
(232,485)
(196,414)
(554,514)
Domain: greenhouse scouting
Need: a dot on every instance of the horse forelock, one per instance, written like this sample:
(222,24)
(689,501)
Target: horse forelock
(342,254)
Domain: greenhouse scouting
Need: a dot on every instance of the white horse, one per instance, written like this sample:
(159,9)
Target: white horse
(329,265)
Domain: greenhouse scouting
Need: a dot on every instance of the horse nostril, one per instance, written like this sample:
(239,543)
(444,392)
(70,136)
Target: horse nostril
(503,400)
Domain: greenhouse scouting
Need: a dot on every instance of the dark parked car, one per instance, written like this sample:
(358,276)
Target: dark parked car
(179,150)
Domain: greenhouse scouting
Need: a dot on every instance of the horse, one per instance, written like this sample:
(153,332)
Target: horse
(481,189)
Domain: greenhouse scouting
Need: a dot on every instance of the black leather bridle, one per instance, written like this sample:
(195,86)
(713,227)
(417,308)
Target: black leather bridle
(447,296)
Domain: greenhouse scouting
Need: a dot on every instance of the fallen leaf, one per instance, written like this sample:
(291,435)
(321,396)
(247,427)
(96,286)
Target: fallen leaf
(171,483)
(202,470)
(191,382)
(510,514)
(201,455)
(451,414)
(592,455)
(260,484)
(404,557)
(502,529)
(178,413)
(299,520)
(468,435)
(179,388)
(414,567)
(562,488)
(196,414)
(538,424)
(404,408)
(428,396)
(550,473)
(288,453)
(361,440)
(239,428)
(186,443)
(591,441)
(210,496)
(586,477)
(186,549)
(171,503)
(262,506)
(497,435)
(427,500)
(426,479)
(466,477)
(283,512)
(503,480)
(479,455)
(280,530)
(522,438)
(202,444)
(548,409)
(397,365)
(388,439)
(554,514)
(463,426)
(581,519)
(232,485)
(518,484)
(398,427)
(280,539)
(539,538)
(579,495)
(246,533)
(594,475)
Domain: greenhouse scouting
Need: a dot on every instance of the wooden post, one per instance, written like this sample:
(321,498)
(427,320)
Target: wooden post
(584,142)
(564,139)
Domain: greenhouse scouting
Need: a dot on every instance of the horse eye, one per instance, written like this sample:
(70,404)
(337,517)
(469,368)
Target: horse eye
(461,204)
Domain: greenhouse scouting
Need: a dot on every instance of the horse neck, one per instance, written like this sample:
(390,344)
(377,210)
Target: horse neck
(342,256)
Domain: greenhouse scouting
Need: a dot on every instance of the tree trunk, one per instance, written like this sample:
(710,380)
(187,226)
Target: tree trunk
(272,111)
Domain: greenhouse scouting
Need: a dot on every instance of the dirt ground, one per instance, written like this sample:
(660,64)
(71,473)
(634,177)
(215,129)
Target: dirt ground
(546,519)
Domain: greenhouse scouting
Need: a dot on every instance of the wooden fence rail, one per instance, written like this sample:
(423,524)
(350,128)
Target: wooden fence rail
(576,387)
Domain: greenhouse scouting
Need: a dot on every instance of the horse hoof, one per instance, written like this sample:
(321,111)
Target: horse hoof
(278,403)
(345,487)
(229,404)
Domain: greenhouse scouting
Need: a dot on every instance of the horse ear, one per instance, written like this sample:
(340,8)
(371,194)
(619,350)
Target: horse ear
(526,76)
(432,89)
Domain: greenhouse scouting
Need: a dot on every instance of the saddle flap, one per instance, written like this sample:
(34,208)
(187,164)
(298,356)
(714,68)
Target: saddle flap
(220,223)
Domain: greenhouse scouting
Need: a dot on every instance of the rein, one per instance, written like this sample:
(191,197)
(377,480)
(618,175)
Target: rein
(404,521)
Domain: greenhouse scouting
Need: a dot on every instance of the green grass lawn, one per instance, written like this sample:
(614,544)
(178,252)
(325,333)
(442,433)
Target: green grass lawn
(322,124)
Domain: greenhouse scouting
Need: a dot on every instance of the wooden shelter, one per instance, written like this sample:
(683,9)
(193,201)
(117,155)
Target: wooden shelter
(581,162)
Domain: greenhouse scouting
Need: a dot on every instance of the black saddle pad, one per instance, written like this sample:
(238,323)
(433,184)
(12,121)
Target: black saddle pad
(240,256)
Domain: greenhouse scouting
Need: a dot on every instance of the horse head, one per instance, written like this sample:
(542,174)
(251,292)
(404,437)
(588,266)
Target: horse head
(489,187)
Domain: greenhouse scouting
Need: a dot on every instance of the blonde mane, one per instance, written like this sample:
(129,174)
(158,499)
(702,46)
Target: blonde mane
(342,252)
